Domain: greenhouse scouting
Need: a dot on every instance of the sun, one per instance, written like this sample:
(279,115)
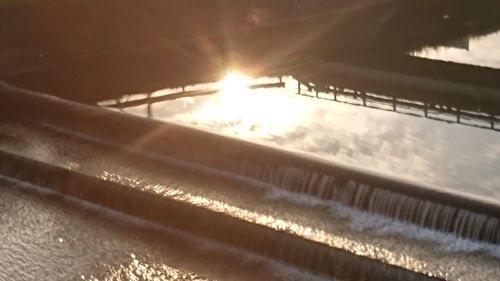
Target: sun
(234,83)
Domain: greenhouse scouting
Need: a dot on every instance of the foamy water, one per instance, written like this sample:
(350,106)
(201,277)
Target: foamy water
(363,221)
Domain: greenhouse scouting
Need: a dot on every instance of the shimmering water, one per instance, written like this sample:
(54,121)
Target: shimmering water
(46,238)
(476,50)
(326,222)
(452,156)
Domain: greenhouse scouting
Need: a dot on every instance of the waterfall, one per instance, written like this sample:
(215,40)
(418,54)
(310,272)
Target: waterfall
(313,256)
(449,216)
(426,206)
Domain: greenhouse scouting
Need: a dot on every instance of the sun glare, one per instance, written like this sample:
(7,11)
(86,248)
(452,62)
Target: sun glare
(234,83)
(250,112)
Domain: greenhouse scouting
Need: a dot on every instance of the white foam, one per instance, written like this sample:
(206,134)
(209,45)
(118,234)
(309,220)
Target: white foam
(363,221)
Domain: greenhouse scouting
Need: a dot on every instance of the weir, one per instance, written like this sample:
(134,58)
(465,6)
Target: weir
(426,206)
(218,226)
(124,150)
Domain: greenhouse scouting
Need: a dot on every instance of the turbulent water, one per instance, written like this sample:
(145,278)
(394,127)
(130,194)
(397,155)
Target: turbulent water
(46,238)
(327,222)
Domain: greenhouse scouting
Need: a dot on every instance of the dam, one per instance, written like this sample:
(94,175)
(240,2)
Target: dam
(281,149)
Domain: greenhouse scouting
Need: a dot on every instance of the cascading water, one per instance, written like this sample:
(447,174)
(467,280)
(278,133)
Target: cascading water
(359,194)
(252,164)
(217,226)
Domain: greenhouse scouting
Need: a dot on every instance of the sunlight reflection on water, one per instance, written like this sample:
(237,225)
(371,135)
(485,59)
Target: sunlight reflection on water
(482,51)
(437,153)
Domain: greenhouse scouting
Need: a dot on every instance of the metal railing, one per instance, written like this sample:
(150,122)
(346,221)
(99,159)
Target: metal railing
(439,112)
(434,111)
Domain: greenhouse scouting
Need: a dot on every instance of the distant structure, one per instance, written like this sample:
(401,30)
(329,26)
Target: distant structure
(462,43)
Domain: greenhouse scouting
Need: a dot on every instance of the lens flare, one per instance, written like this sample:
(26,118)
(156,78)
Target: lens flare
(234,83)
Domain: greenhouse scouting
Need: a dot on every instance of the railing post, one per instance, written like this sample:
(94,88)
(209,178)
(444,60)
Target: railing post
(118,102)
(150,106)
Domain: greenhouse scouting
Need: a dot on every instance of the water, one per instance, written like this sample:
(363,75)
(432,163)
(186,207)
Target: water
(46,238)
(235,232)
(445,212)
(452,156)
(327,222)
(475,50)
(327,207)
(430,212)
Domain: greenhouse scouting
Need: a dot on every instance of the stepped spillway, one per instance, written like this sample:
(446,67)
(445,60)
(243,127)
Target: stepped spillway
(64,151)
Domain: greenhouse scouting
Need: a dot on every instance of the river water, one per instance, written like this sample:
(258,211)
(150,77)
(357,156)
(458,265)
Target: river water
(404,144)
(474,50)
(45,237)
(333,224)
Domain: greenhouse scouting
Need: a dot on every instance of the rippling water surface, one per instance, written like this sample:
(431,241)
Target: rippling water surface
(327,222)
(46,238)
